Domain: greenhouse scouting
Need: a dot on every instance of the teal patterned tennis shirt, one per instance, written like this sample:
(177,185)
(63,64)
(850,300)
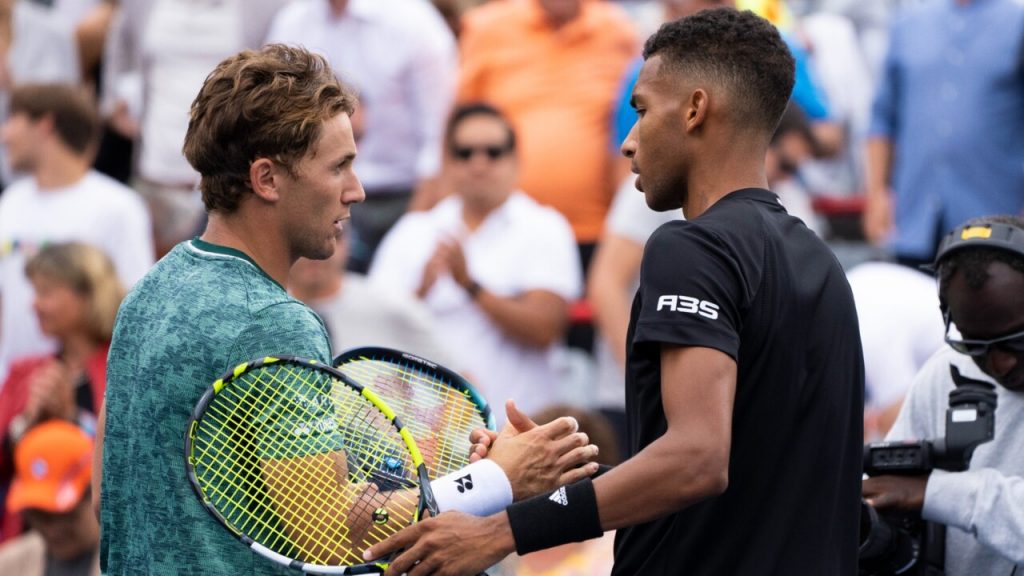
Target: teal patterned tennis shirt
(202,310)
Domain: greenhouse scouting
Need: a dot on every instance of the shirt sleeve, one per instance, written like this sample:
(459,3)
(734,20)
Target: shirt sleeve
(983,503)
(131,243)
(554,262)
(290,431)
(883,120)
(690,290)
(402,255)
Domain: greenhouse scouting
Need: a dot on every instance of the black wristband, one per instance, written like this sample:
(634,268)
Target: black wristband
(473,289)
(568,514)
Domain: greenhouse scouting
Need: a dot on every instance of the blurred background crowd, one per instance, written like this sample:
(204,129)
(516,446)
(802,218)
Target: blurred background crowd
(502,234)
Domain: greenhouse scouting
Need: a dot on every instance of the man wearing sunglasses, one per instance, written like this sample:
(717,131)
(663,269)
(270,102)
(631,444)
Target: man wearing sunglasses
(980,269)
(496,269)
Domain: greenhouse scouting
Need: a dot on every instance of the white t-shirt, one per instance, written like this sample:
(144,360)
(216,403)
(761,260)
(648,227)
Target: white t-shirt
(184,42)
(97,210)
(900,326)
(521,246)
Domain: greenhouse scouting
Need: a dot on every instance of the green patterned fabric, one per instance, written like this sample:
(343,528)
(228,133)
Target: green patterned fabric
(199,312)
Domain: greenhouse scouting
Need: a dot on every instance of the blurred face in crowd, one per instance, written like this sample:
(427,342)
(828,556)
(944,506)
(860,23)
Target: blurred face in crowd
(484,168)
(561,12)
(317,193)
(656,145)
(69,534)
(993,311)
(59,309)
(22,137)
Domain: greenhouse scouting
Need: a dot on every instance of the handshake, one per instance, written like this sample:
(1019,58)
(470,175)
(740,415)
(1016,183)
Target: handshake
(531,459)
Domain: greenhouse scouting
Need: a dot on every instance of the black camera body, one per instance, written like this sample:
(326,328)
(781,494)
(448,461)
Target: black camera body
(901,543)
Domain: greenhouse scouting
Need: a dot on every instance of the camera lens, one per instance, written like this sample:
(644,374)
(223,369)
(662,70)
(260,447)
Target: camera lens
(885,547)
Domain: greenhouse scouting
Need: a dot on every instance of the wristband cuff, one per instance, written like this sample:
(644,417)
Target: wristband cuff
(568,514)
(480,489)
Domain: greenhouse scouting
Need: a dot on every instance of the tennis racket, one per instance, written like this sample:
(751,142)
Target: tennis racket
(438,406)
(304,465)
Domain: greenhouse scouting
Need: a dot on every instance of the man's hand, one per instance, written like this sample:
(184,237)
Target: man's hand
(900,492)
(434,268)
(51,393)
(877,219)
(449,545)
(450,250)
(538,459)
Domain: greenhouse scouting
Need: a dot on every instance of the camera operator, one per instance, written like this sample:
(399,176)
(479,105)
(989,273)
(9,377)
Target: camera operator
(980,269)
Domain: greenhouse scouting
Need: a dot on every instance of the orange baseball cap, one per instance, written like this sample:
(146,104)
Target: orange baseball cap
(52,468)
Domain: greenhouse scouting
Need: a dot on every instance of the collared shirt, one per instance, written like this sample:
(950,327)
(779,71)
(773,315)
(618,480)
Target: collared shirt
(400,57)
(520,246)
(952,102)
(558,88)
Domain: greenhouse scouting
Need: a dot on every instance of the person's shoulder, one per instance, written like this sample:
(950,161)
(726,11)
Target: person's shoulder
(23,554)
(525,207)
(420,222)
(111,191)
(939,364)
(19,191)
(416,17)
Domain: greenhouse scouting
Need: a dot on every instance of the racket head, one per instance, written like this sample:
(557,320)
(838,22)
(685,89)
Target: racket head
(304,465)
(438,405)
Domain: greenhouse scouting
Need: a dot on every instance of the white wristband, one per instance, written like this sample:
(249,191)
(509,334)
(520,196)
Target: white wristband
(480,489)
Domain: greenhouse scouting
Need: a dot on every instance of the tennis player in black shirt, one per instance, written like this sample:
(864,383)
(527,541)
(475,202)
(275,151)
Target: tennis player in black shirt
(744,384)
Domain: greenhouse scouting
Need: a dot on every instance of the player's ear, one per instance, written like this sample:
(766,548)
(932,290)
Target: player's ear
(695,109)
(264,177)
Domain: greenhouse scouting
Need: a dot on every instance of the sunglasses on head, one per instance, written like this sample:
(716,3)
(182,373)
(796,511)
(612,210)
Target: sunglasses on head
(465,153)
(1013,343)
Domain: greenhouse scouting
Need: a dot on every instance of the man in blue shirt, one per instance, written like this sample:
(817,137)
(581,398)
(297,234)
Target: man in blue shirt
(945,140)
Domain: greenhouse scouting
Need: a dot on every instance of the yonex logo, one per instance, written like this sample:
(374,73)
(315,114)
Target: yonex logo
(559,497)
(465,483)
(688,305)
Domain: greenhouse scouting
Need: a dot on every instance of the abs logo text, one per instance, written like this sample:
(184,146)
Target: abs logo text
(688,305)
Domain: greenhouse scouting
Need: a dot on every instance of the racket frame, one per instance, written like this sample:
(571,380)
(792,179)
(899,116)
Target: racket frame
(426,497)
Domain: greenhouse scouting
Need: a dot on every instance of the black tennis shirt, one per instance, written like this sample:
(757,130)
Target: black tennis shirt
(752,281)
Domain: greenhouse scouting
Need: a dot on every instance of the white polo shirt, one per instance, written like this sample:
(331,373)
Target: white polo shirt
(521,246)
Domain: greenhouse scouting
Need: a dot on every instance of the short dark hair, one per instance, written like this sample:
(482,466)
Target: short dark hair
(465,111)
(973,262)
(269,103)
(739,51)
(75,118)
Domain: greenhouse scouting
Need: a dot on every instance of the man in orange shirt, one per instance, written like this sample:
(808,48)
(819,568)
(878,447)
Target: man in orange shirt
(554,68)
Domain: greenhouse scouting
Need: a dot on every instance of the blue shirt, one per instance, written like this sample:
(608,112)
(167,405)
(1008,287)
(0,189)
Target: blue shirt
(951,101)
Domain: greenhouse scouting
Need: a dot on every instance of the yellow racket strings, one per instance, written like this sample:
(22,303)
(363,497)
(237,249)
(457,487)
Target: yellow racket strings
(439,415)
(267,455)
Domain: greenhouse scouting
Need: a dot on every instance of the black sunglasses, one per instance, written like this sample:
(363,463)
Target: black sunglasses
(465,153)
(1013,343)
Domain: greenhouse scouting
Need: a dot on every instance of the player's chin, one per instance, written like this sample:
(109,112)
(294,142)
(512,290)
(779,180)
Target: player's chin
(321,250)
